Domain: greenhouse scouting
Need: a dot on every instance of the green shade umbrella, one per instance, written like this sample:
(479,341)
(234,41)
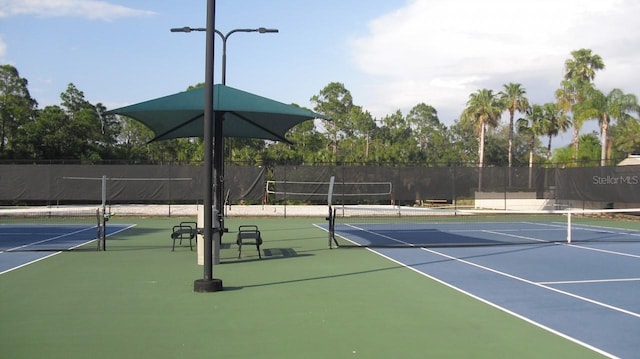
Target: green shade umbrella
(244,114)
(235,113)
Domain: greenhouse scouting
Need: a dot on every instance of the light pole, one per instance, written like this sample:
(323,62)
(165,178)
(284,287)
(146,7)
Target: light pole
(213,147)
(224,38)
(261,30)
(211,123)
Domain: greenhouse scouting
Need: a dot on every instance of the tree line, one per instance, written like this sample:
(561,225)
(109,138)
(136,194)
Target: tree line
(77,130)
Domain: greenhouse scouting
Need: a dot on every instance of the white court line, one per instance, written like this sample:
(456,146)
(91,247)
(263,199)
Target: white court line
(601,250)
(49,239)
(31,262)
(579,297)
(492,304)
(626,231)
(592,281)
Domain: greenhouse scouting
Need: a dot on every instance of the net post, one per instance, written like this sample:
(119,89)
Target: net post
(330,224)
(99,228)
(331,217)
(569,227)
(103,218)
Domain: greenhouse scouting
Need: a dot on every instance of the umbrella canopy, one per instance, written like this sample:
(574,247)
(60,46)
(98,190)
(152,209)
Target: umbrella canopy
(244,114)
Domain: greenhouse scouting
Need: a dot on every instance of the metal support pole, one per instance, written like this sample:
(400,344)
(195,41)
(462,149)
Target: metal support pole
(208,283)
(218,170)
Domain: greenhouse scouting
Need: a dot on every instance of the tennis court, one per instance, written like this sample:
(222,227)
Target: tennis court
(300,299)
(577,278)
(29,235)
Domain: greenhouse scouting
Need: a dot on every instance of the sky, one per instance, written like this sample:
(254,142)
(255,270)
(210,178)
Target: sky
(390,54)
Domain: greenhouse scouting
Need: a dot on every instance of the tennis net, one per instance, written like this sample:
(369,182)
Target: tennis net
(50,229)
(398,226)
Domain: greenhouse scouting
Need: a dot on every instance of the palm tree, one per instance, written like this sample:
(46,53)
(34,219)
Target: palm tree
(625,133)
(583,66)
(483,109)
(556,121)
(514,99)
(579,72)
(533,125)
(604,108)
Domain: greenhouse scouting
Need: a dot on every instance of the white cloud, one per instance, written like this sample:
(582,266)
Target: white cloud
(440,51)
(91,9)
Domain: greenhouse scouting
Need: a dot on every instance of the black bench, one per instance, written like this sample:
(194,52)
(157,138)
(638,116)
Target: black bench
(249,234)
(184,230)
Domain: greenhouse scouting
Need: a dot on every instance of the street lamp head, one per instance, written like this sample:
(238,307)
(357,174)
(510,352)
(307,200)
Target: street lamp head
(263,30)
(187,29)
(181,29)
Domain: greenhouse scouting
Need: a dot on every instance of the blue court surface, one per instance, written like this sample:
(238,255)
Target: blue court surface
(21,244)
(586,291)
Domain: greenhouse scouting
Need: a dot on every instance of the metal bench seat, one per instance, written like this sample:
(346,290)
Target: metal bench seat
(184,230)
(249,234)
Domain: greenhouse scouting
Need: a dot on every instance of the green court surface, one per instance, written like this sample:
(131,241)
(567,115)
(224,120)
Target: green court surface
(302,300)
